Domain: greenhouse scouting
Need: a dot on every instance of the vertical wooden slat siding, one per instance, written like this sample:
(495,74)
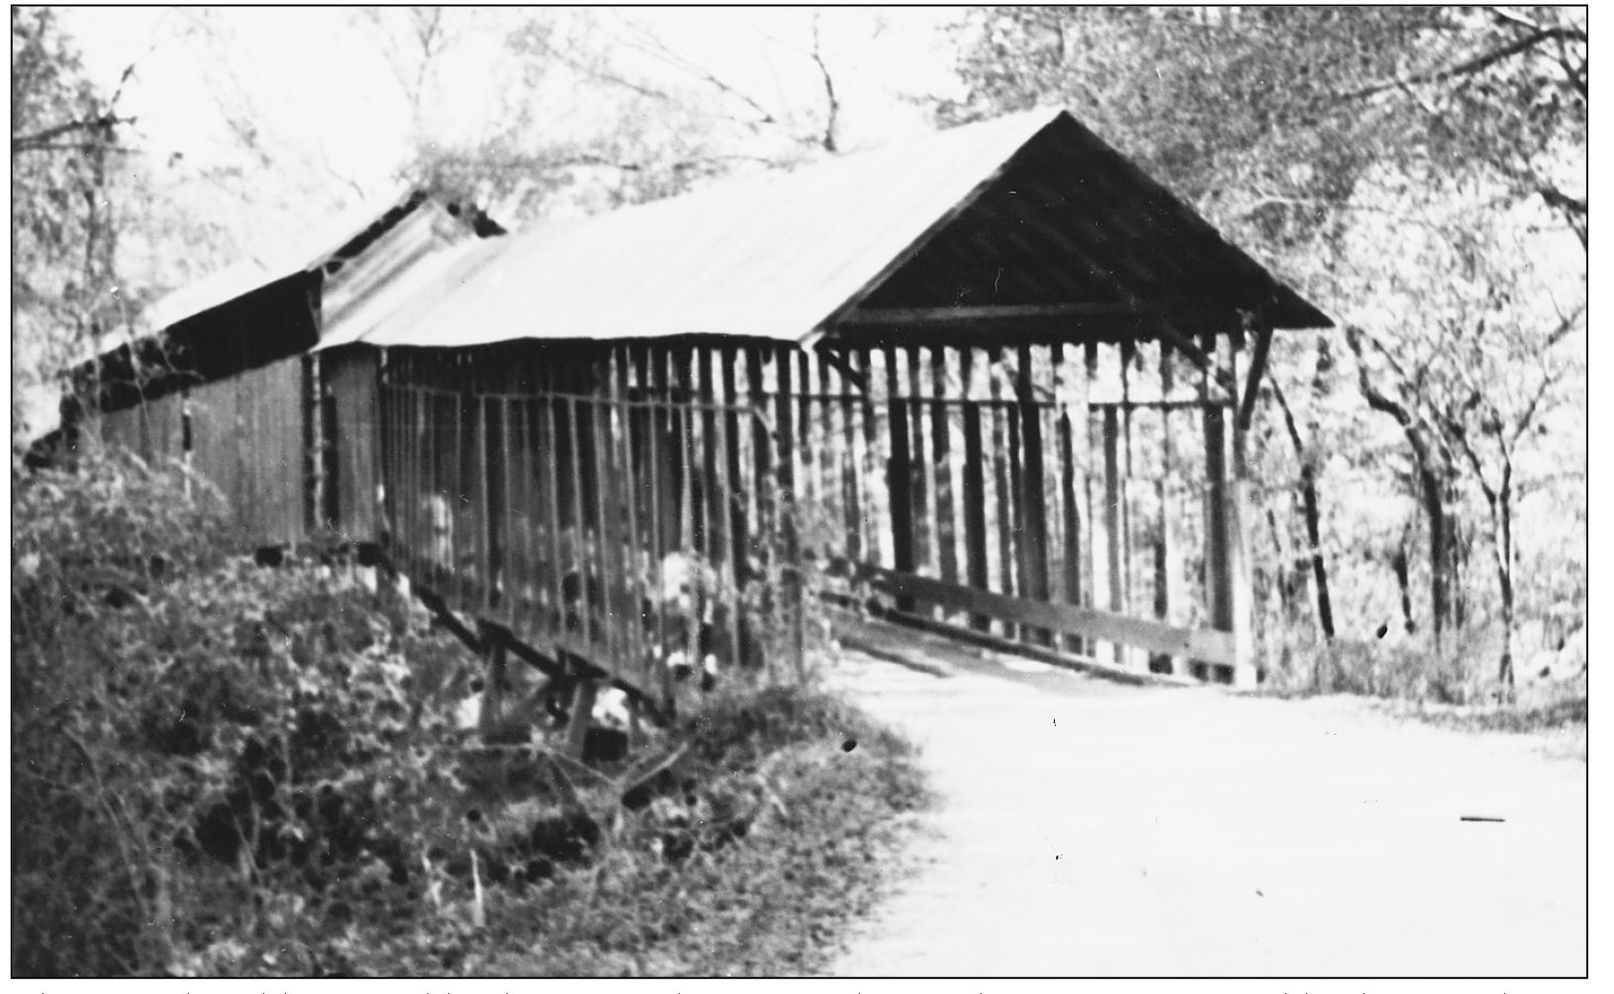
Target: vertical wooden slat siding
(733,445)
(1243,595)
(711,453)
(762,454)
(1005,492)
(496,486)
(1071,548)
(1034,520)
(975,561)
(1016,504)
(870,472)
(652,371)
(1047,412)
(806,467)
(725,468)
(918,459)
(634,544)
(826,449)
(899,478)
(1114,519)
(941,445)
(851,495)
(1163,545)
(607,528)
(788,522)
(577,562)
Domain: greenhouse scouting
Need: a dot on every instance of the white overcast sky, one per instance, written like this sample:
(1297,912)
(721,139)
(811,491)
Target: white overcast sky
(315,80)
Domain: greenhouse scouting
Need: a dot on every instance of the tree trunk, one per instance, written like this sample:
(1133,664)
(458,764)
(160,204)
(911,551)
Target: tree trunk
(1399,564)
(1440,558)
(1309,505)
(1319,569)
(1502,518)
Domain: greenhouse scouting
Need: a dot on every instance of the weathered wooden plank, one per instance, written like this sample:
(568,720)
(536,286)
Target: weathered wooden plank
(1211,646)
(1071,515)
(786,472)
(725,469)
(942,458)
(869,477)
(1034,516)
(975,557)
(1004,495)
(918,456)
(899,477)
(762,445)
(1114,518)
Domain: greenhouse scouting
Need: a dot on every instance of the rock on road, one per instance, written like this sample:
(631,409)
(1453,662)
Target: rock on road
(1092,829)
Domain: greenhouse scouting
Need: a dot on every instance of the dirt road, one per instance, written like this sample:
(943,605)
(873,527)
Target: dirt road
(1093,829)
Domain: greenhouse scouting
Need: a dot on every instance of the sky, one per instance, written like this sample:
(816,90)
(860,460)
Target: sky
(315,81)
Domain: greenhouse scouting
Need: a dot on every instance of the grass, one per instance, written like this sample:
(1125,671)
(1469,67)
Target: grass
(1456,689)
(781,827)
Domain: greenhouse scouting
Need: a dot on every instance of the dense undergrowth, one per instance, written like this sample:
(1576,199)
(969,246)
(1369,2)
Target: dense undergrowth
(1452,687)
(224,769)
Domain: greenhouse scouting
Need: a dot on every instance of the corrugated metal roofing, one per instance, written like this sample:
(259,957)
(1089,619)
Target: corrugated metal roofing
(770,256)
(412,254)
(778,255)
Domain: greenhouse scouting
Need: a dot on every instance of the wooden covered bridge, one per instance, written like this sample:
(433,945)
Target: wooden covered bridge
(994,382)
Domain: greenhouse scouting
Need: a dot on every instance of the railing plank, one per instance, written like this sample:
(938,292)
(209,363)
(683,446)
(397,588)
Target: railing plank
(1203,644)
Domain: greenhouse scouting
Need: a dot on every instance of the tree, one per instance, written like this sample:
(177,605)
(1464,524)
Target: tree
(66,158)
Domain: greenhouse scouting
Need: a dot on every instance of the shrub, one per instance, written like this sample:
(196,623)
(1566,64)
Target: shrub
(187,728)
(220,768)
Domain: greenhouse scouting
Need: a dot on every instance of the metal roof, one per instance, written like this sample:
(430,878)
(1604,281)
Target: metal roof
(410,255)
(1027,209)
(770,256)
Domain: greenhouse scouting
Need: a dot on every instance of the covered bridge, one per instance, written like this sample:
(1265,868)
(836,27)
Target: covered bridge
(994,381)
(223,378)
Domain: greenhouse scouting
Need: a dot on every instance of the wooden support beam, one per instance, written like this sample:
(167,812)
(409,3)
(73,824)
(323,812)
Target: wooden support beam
(1034,513)
(1262,330)
(581,716)
(975,561)
(899,475)
(491,719)
(1211,646)
(942,460)
(892,317)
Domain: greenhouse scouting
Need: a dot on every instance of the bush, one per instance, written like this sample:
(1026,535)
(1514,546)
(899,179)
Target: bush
(220,768)
(188,727)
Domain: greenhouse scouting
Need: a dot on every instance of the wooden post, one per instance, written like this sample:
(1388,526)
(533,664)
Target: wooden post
(1114,519)
(1072,559)
(918,489)
(851,492)
(1001,485)
(1168,564)
(941,446)
(1223,526)
(491,719)
(792,584)
(1034,514)
(869,469)
(586,690)
(730,501)
(762,478)
(975,561)
(899,479)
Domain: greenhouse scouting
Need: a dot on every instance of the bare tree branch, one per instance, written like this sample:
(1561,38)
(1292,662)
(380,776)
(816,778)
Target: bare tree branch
(828,142)
(1468,67)
(42,138)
